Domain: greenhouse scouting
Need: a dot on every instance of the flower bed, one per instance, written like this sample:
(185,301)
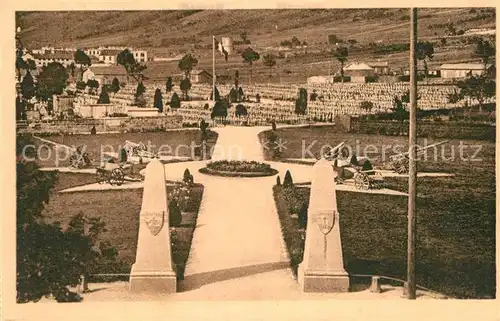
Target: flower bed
(238,169)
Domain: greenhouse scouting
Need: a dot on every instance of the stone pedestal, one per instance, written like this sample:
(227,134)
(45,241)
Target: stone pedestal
(322,269)
(153,268)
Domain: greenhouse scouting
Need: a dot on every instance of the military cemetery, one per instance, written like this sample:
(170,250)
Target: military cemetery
(256,161)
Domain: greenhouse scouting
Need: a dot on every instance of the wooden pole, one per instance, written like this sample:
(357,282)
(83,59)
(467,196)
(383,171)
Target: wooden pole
(412,179)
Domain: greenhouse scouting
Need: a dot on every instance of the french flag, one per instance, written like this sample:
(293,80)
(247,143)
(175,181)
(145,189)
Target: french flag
(220,47)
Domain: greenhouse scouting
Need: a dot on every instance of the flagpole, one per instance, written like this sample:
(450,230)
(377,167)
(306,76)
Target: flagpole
(213,69)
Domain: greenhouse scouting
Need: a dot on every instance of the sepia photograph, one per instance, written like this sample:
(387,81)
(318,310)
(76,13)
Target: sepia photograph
(254,155)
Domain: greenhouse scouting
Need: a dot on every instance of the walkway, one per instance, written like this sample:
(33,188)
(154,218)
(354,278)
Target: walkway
(237,250)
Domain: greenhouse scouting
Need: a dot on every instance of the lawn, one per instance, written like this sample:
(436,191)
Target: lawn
(174,143)
(455,219)
(120,209)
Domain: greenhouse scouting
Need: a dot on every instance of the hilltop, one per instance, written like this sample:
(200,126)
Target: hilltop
(169,33)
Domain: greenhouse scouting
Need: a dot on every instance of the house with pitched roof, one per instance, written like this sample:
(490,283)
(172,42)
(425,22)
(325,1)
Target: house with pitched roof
(451,71)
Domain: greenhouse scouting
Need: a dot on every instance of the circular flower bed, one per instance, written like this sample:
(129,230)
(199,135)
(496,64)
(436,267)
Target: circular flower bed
(238,169)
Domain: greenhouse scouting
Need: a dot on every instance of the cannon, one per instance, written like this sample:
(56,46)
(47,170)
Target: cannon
(400,163)
(79,159)
(116,173)
(137,150)
(355,168)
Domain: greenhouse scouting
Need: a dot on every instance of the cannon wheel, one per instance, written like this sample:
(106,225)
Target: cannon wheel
(362,181)
(76,161)
(116,177)
(101,176)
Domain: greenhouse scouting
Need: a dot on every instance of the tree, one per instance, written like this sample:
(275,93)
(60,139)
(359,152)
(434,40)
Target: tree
(93,85)
(187,177)
(399,110)
(236,78)
(270,62)
(301,102)
(169,85)
(115,85)
(424,50)
(185,86)
(187,63)
(220,109)
(49,259)
(249,56)
(103,97)
(240,111)
(158,100)
(175,101)
(341,54)
(81,85)
(217,95)
(132,67)
(52,80)
(288,181)
(28,88)
(140,90)
(477,87)
(82,58)
(486,51)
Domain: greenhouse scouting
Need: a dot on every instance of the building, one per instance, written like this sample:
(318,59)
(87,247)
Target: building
(359,71)
(380,67)
(65,58)
(199,76)
(451,71)
(109,56)
(140,55)
(105,75)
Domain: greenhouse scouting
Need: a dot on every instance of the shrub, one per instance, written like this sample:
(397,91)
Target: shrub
(187,178)
(175,101)
(174,214)
(288,181)
(122,155)
(273,125)
(278,180)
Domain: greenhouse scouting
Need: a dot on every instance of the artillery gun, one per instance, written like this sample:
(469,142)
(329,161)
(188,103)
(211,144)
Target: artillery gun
(357,168)
(400,163)
(79,159)
(137,150)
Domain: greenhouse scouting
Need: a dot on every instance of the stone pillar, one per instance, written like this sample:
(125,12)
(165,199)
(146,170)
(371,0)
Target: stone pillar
(153,268)
(322,269)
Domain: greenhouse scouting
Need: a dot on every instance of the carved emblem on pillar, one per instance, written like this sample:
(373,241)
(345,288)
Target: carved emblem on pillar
(326,221)
(154,221)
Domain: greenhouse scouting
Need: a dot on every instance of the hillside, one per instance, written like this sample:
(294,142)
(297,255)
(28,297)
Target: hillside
(168,33)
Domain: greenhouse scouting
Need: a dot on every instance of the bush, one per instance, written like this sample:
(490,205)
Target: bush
(187,178)
(175,101)
(288,181)
(122,155)
(278,180)
(174,214)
